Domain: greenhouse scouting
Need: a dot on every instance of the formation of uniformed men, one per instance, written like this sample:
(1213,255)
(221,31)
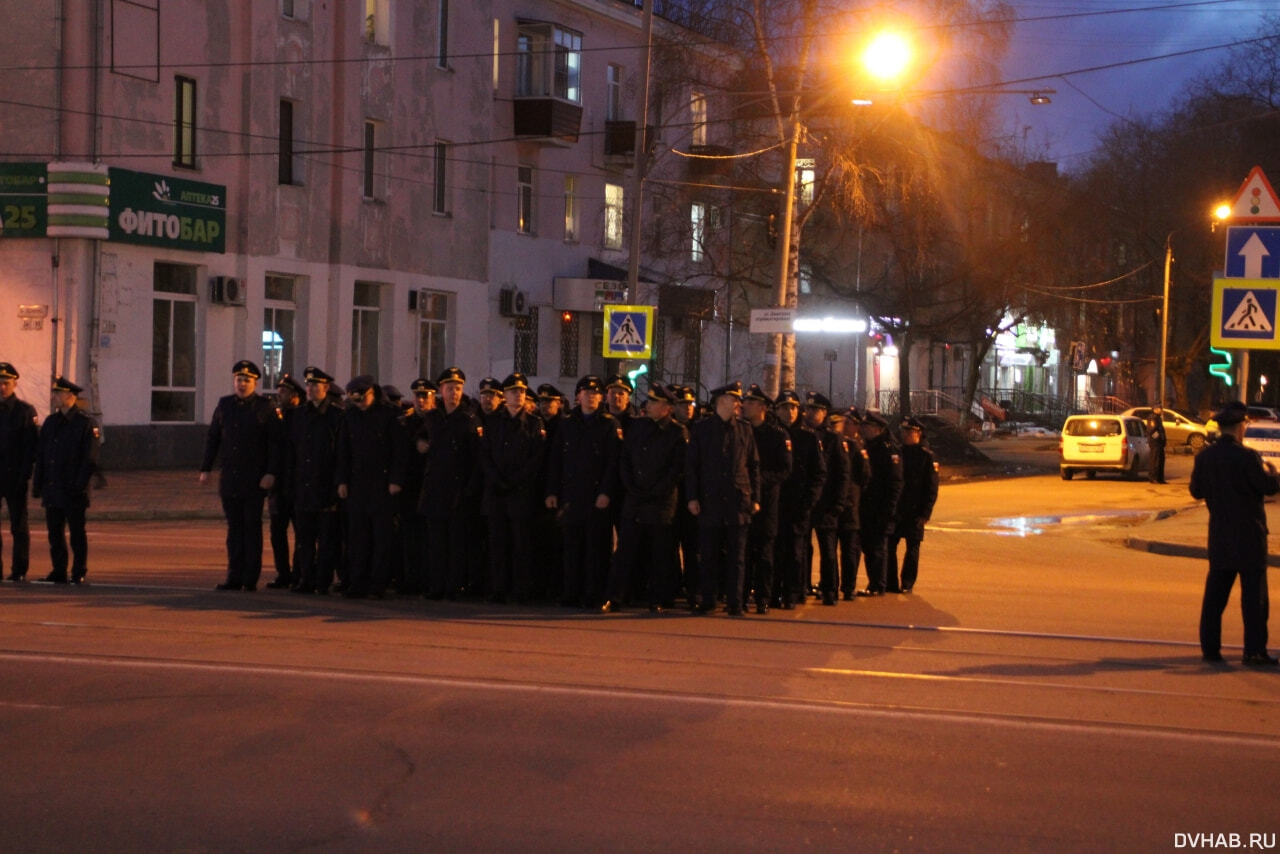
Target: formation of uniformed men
(511,496)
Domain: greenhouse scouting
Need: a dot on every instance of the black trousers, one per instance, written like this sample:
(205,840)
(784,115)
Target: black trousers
(511,556)
(828,559)
(1157,463)
(687,536)
(762,536)
(280,552)
(447,562)
(316,548)
(910,563)
(722,555)
(370,550)
(548,560)
(850,553)
(874,548)
(244,538)
(58,520)
(645,559)
(413,554)
(15,498)
(586,558)
(792,560)
(1255,607)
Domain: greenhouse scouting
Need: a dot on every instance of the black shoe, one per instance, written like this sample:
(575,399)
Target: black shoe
(354,594)
(340,587)
(434,597)
(1213,658)
(905,591)
(735,612)
(869,592)
(655,609)
(18,579)
(226,585)
(279,584)
(249,588)
(55,578)
(828,598)
(78,580)
(1260,659)
(762,607)
(847,596)
(322,590)
(703,608)
(609,607)
(786,605)
(302,588)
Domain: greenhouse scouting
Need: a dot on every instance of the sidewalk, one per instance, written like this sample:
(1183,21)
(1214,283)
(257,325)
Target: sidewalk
(1184,532)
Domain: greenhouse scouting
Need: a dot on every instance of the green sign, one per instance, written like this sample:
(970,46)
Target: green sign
(157,210)
(23,199)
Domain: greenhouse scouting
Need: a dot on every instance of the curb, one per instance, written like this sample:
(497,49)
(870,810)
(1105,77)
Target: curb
(1180,549)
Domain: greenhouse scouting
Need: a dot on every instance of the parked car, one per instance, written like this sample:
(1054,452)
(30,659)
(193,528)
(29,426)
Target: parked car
(1179,430)
(1263,435)
(1094,443)
(1265,413)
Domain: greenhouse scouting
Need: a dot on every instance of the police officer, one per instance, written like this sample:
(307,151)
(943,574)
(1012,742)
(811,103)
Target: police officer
(722,470)
(413,525)
(915,505)
(651,467)
(686,524)
(1157,438)
(548,566)
(1232,480)
(289,394)
(246,431)
(66,458)
(372,458)
(879,504)
(450,486)
(313,436)
(773,444)
(617,400)
(833,498)
(511,455)
(582,478)
(18,438)
(847,530)
(800,493)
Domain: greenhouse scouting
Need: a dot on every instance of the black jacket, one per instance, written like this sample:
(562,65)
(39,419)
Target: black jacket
(511,455)
(800,491)
(880,495)
(835,488)
(584,463)
(451,474)
(651,468)
(249,434)
(919,491)
(373,453)
(313,433)
(722,471)
(1232,481)
(18,438)
(66,458)
(859,476)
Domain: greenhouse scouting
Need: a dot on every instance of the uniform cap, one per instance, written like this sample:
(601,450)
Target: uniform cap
(360,384)
(853,415)
(817,400)
(619,381)
(245,368)
(516,380)
(64,384)
(590,382)
(911,424)
(491,384)
(422,385)
(314,375)
(757,393)
(547,391)
(287,381)
(874,418)
(8,371)
(733,389)
(658,391)
(392,393)
(1233,413)
(788,396)
(684,394)
(451,375)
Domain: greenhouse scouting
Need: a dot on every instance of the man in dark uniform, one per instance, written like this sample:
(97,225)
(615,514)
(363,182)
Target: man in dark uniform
(879,502)
(289,394)
(582,478)
(832,500)
(1157,438)
(773,444)
(548,567)
(650,468)
(246,430)
(18,438)
(314,433)
(1232,480)
(413,525)
(800,493)
(847,531)
(451,479)
(686,523)
(66,458)
(372,458)
(511,455)
(722,469)
(915,505)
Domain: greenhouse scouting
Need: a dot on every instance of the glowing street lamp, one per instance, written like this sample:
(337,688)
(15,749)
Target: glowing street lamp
(887,56)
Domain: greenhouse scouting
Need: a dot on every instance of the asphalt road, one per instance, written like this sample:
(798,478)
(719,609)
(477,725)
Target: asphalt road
(1041,691)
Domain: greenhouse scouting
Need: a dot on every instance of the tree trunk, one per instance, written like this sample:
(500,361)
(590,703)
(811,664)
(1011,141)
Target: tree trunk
(980,347)
(905,343)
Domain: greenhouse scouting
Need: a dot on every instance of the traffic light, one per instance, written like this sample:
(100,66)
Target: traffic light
(1222,371)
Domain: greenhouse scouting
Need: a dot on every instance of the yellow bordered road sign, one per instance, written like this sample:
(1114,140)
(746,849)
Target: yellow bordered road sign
(1244,314)
(628,331)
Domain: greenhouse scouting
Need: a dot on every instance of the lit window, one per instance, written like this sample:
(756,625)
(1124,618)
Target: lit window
(570,208)
(548,62)
(697,230)
(613,216)
(366,306)
(698,118)
(184,122)
(613,102)
(279,348)
(524,199)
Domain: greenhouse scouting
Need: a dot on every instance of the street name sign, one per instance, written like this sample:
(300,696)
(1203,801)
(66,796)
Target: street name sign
(779,321)
(1244,314)
(628,331)
(1253,252)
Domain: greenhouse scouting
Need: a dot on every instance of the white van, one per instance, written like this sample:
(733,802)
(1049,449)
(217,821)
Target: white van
(1094,443)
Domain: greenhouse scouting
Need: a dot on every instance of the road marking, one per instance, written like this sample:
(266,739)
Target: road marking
(29,706)
(830,707)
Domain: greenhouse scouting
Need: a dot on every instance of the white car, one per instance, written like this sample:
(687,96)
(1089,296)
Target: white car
(1264,437)
(1094,443)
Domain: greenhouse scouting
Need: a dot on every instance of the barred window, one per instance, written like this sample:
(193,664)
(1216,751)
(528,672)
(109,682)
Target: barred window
(569,344)
(526,343)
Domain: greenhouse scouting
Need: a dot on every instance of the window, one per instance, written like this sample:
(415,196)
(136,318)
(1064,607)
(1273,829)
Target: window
(697,230)
(433,333)
(569,327)
(377,21)
(526,342)
(548,62)
(613,216)
(698,118)
(173,343)
(279,348)
(370,151)
(440,194)
(524,199)
(570,208)
(184,122)
(286,8)
(807,180)
(442,36)
(287,175)
(497,52)
(613,95)
(364,329)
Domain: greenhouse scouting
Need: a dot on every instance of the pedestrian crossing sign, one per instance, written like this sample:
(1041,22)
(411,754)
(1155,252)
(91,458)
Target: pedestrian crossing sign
(1244,314)
(628,331)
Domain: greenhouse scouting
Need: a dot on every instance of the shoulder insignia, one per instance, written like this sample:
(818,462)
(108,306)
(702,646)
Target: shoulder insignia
(788,441)
(480,430)
(865,455)
(896,459)
(935,467)
(542,431)
(97,433)
(619,434)
(845,445)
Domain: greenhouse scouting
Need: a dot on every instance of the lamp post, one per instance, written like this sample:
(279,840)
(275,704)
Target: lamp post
(1164,318)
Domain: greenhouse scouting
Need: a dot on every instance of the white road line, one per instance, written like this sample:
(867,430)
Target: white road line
(850,709)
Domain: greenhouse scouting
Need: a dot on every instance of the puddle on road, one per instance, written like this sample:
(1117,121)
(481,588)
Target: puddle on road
(1028,526)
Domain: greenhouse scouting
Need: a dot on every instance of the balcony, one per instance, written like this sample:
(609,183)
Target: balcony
(714,160)
(620,141)
(551,119)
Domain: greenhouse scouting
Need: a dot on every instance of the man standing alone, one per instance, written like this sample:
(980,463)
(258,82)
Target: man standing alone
(18,437)
(65,460)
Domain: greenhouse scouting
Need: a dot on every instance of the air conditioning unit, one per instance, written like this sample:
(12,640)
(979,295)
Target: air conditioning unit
(512,302)
(226,290)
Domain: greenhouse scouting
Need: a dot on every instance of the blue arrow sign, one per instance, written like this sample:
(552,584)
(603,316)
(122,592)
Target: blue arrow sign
(1253,252)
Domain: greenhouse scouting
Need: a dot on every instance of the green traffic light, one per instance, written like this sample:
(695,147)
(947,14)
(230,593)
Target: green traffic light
(1222,371)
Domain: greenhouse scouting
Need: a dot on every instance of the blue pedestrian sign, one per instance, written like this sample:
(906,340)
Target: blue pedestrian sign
(1244,314)
(1253,252)
(628,331)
